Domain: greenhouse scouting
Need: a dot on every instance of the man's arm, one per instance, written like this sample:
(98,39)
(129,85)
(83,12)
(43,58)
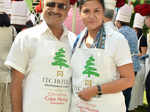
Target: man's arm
(16,90)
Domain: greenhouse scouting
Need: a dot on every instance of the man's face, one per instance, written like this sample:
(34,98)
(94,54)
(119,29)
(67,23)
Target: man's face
(147,21)
(55,11)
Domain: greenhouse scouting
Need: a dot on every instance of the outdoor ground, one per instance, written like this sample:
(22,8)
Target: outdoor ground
(142,108)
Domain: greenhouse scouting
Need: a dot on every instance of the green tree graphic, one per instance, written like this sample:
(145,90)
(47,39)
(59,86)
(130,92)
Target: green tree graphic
(59,59)
(89,69)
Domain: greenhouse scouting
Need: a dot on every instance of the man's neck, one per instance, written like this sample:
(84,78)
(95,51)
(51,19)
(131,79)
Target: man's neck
(57,31)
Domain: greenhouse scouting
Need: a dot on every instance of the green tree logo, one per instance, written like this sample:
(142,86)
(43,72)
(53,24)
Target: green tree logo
(89,69)
(59,59)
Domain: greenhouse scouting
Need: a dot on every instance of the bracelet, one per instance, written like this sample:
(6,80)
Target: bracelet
(99,90)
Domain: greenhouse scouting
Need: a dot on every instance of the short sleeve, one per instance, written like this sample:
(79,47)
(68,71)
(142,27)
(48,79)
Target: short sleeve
(122,54)
(18,56)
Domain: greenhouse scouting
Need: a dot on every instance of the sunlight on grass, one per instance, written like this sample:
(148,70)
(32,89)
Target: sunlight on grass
(144,100)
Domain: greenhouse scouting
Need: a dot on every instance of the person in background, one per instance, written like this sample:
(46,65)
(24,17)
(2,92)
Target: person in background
(109,13)
(7,35)
(138,88)
(144,10)
(29,24)
(20,14)
(122,22)
(138,26)
(147,83)
(100,69)
(40,63)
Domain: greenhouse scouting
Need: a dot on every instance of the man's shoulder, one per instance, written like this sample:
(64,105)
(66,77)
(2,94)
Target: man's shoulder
(30,32)
(33,30)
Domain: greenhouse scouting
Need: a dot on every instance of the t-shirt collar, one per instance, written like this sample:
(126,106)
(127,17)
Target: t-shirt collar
(44,28)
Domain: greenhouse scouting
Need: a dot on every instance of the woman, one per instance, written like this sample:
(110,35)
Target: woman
(123,22)
(138,88)
(7,33)
(100,69)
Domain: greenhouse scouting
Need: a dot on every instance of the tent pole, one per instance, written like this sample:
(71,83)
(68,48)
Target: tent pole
(74,18)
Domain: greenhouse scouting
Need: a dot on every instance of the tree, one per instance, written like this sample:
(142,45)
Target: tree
(59,59)
(89,69)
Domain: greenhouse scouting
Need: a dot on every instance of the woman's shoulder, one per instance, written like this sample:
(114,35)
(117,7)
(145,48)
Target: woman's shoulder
(116,36)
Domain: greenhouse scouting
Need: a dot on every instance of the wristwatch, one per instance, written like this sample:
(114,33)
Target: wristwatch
(99,90)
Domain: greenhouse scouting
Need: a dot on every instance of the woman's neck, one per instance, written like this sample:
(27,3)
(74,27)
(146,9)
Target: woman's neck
(92,33)
(91,37)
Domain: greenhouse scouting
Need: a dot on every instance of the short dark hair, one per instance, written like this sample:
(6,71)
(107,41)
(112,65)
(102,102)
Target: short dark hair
(81,2)
(124,23)
(4,19)
(109,13)
(139,31)
(29,24)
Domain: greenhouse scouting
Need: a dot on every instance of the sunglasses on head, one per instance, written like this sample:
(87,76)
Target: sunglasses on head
(61,6)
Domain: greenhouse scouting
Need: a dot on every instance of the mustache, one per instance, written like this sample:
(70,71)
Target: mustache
(54,14)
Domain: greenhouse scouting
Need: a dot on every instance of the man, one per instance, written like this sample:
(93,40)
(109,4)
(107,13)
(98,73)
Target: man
(144,10)
(40,64)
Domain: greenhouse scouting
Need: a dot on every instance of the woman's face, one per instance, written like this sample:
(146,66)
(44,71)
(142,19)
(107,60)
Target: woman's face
(135,30)
(91,13)
(117,24)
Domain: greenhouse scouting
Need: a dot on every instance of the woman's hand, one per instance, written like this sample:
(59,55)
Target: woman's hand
(88,93)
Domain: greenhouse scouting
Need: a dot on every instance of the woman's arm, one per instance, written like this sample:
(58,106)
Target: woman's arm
(143,50)
(126,80)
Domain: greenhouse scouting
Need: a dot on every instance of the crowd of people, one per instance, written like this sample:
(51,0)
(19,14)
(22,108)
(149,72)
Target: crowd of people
(103,67)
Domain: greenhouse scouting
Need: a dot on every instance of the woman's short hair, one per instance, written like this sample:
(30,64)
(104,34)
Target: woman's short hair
(81,2)
(124,23)
(4,20)
(139,31)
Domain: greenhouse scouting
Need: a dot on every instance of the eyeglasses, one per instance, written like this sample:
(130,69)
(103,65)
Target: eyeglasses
(61,6)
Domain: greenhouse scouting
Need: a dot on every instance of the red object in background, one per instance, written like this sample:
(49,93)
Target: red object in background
(143,9)
(72,2)
(120,3)
(79,24)
(38,8)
